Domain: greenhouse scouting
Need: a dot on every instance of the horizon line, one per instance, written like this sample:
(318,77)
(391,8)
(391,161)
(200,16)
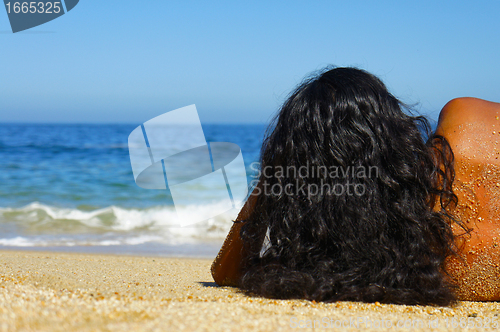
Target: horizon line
(118,123)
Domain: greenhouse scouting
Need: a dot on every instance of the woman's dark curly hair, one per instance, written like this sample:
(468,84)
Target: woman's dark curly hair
(343,235)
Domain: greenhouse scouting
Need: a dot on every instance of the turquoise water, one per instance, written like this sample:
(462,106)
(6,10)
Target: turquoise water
(70,187)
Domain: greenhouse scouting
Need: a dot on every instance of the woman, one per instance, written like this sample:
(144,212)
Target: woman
(352,204)
(472,128)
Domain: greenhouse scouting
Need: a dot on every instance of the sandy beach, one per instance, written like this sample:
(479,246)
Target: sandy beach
(45,291)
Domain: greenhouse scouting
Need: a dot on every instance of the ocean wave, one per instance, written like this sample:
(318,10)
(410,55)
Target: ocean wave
(34,241)
(37,224)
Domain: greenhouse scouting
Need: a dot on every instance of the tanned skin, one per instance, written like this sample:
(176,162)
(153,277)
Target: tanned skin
(226,268)
(472,128)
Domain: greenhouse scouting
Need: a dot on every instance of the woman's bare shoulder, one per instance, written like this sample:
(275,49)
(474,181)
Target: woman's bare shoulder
(466,110)
(472,127)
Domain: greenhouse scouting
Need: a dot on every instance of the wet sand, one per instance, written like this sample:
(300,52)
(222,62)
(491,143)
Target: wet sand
(44,291)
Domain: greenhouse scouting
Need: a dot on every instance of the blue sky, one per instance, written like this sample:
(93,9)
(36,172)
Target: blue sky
(128,61)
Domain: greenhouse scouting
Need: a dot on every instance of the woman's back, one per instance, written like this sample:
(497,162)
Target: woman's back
(472,127)
(369,218)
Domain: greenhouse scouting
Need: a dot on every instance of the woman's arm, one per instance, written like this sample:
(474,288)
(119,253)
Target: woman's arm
(226,268)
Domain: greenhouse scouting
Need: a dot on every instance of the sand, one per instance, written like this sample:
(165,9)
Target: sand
(45,291)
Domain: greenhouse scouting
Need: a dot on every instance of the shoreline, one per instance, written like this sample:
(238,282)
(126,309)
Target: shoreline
(207,249)
(55,291)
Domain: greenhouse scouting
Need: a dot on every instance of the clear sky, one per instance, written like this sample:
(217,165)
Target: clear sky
(128,61)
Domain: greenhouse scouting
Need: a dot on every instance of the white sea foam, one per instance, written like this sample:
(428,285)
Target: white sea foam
(37,224)
(34,241)
(19,241)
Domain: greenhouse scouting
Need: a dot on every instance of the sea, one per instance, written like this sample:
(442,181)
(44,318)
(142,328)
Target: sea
(71,188)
